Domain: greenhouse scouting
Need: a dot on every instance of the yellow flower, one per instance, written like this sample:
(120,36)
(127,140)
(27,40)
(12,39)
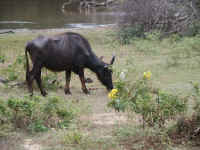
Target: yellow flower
(113,94)
(114,91)
(110,95)
(147,75)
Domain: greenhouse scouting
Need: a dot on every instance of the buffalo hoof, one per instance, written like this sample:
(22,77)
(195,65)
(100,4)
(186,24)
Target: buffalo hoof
(86,91)
(31,94)
(44,93)
(67,92)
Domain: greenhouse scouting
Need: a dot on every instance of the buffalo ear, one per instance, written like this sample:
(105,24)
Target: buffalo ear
(112,60)
(105,66)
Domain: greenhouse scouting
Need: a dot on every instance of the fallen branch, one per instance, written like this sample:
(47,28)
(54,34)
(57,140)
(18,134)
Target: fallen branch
(87,4)
(17,84)
(66,3)
(4,32)
(3,80)
(9,83)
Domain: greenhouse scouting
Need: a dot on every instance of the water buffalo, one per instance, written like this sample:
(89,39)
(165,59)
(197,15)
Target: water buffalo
(65,52)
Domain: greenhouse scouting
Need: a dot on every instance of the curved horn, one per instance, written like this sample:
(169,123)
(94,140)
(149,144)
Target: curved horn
(112,60)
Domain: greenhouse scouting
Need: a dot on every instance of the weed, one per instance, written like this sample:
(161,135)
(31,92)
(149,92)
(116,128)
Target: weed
(12,74)
(4,113)
(13,70)
(76,139)
(174,38)
(73,137)
(38,126)
(196,97)
(173,61)
(153,35)
(2,58)
(50,81)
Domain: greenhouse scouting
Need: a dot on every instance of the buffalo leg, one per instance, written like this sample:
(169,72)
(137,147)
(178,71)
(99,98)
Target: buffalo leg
(68,78)
(32,75)
(30,82)
(39,83)
(82,78)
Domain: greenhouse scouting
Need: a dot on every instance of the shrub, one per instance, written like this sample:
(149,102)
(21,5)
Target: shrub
(154,105)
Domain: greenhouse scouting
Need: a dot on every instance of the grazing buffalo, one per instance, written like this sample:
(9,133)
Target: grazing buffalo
(65,52)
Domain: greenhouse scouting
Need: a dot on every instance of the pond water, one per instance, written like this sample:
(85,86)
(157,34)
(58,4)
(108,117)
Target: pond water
(43,14)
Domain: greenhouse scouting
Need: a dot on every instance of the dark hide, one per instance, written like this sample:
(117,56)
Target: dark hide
(65,52)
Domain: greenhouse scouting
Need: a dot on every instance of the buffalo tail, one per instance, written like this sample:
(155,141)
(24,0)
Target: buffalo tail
(27,62)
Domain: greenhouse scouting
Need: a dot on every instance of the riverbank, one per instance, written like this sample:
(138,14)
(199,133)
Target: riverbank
(70,28)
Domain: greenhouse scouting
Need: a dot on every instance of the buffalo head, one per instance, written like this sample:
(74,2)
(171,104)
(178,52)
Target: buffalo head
(105,74)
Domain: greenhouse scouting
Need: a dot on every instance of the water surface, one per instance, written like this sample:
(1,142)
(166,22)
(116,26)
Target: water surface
(42,14)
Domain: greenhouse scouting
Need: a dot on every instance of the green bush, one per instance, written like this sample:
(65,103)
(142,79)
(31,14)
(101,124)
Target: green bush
(154,105)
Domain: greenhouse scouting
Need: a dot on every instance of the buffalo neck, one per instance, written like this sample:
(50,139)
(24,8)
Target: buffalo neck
(94,63)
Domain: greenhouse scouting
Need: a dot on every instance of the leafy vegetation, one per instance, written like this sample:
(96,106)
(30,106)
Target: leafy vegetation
(36,114)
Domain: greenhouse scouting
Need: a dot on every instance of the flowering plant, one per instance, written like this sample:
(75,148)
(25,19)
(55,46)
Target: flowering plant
(142,98)
(147,75)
